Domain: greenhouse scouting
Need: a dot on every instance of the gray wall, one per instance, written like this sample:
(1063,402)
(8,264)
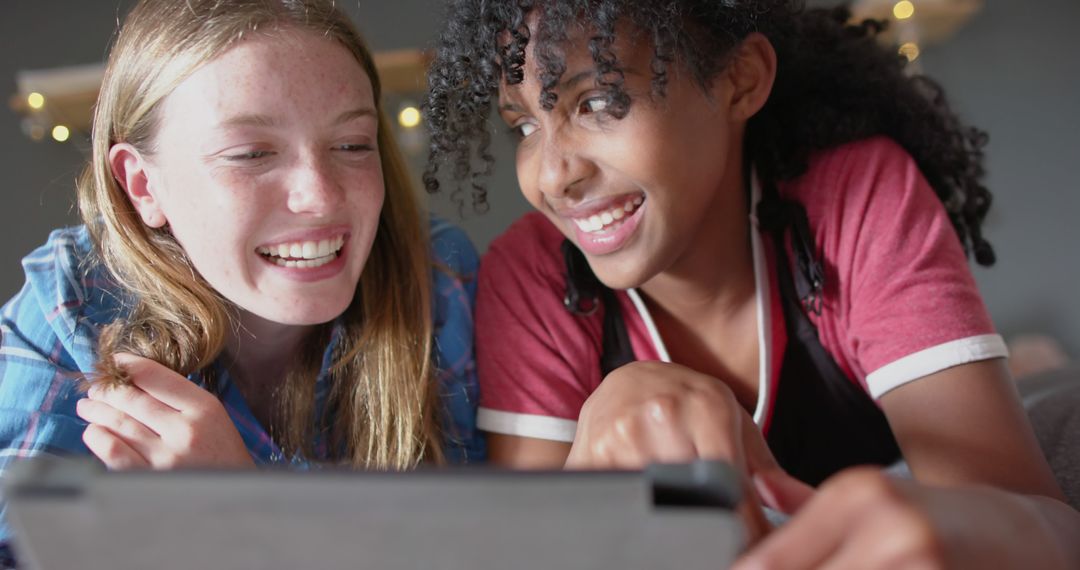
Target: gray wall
(1014,70)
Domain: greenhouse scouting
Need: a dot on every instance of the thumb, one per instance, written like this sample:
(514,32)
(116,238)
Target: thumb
(781,491)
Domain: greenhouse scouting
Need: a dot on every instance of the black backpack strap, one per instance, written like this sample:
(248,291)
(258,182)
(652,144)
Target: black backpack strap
(776,215)
(584,295)
(822,421)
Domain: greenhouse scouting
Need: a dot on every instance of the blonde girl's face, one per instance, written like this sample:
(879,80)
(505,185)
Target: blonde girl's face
(266,169)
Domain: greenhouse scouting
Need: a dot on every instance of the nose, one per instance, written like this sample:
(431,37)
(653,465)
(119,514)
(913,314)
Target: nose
(314,188)
(562,167)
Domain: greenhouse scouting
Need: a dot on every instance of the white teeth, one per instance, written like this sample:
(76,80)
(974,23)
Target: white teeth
(303,254)
(598,222)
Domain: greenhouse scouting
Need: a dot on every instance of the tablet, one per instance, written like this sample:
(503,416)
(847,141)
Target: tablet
(71,513)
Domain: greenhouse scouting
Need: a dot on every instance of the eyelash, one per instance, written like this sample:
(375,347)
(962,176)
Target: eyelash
(258,154)
(355,147)
(245,156)
(515,131)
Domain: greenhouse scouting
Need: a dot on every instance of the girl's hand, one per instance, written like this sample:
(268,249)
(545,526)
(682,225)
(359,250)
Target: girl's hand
(655,412)
(160,421)
(862,518)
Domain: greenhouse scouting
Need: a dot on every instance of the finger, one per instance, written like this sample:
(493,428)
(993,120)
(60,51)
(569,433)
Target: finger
(162,383)
(716,430)
(139,437)
(664,435)
(97,412)
(759,457)
(894,538)
(112,449)
(132,401)
(821,526)
(781,491)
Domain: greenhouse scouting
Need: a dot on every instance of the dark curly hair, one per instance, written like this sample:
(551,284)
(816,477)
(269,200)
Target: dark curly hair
(834,84)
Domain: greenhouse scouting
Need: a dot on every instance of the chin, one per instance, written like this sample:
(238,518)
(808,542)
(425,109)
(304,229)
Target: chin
(616,275)
(300,314)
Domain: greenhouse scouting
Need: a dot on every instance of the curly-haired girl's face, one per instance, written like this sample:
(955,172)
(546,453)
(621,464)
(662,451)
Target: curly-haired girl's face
(266,170)
(636,193)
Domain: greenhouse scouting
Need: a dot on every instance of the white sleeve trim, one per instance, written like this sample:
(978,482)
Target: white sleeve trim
(935,359)
(526,425)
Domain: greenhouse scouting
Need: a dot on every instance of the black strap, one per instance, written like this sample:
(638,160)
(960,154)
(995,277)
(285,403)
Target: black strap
(584,295)
(821,422)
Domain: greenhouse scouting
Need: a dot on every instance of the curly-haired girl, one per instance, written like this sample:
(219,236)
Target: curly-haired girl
(750,244)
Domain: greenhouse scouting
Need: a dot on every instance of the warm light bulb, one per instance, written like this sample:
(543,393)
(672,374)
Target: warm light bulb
(35,100)
(409,117)
(910,50)
(60,133)
(903,10)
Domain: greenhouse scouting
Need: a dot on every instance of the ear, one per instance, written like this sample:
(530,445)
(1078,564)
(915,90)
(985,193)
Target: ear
(751,74)
(131,171)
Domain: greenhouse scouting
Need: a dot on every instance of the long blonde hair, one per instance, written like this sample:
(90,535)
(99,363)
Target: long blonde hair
(382,382)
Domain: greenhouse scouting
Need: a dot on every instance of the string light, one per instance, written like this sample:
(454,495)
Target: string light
(60,133)
(903,10)
(409,117)
(35,100)
(910,50)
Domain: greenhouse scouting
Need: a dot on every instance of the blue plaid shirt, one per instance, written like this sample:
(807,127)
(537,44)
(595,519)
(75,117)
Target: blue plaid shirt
(49,330)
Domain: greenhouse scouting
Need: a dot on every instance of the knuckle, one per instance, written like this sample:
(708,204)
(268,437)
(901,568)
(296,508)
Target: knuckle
(866,485)
(662,407)
(184,435)
(626,428)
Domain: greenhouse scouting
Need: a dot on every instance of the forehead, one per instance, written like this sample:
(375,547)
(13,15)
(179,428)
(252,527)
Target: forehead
(280,71)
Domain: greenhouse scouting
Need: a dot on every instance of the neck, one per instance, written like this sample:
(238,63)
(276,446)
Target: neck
(715,274)
(260,352)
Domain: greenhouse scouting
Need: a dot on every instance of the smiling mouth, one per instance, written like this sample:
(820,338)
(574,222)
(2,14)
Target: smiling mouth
(303,254)
(608,220)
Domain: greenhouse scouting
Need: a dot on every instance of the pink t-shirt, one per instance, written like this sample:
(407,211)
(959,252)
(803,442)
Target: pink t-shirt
(899,301)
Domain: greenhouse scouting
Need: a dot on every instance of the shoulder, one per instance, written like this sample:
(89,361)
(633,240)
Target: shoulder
(451,248)
(453,276)
(65,299)
(855,173)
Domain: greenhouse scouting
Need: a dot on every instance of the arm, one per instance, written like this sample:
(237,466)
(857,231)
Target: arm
(454,298)
(518,452)
(966,426)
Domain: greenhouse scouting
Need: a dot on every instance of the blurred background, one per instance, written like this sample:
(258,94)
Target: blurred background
(1011,67)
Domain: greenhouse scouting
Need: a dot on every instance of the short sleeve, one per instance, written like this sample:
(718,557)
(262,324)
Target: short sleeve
(538,363)
(904,300)
(454,296)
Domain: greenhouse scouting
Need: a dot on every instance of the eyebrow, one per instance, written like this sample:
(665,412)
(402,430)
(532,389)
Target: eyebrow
(256,120)
(565,85)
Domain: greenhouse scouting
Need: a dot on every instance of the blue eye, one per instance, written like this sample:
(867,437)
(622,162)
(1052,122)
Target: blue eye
(253,155)
(355,147)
